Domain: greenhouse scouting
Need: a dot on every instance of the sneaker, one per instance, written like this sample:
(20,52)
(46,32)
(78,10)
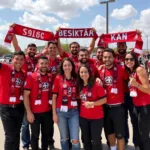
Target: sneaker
(137,148)
(52,147)
(126,144)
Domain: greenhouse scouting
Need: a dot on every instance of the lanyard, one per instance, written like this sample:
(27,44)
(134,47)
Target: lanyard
(56,66)
(13,82)
(30,64)
(39,95)
(69,90)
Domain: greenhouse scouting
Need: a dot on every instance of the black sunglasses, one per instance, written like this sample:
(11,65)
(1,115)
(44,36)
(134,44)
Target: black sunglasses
(127,59)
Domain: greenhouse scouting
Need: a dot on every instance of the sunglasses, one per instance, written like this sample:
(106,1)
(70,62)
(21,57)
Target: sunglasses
(127,59)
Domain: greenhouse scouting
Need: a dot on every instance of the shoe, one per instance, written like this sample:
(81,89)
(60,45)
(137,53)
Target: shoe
(125,145)
(137,148)
(52,147)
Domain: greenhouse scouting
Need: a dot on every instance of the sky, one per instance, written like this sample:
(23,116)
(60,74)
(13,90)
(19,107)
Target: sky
(124,15)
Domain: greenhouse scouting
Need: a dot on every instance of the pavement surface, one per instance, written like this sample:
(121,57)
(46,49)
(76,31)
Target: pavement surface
(57,139)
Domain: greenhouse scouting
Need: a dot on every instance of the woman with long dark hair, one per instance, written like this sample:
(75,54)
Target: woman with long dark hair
(92,97)
(140,93)
(64,103)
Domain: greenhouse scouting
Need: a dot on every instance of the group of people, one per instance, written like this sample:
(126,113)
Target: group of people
(75,92)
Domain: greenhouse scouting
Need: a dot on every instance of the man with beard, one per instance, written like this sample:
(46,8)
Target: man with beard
(54,61)
(31,57)
(99,56)
(74,50)
(11,105)
(128,104)
(83,58)
(121,49)
(53,69)
(29,67)
(113,77)
(37,97)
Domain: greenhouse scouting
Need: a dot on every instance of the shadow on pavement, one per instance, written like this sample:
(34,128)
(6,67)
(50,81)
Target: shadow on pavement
(105,147)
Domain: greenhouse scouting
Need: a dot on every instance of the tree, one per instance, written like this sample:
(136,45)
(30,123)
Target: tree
(4,50)
(65,47)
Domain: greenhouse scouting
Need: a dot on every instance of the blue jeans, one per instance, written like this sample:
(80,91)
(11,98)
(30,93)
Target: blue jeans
(69,120)
(25,136)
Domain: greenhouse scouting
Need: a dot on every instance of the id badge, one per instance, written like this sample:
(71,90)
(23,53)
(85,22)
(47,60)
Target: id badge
(21,97)
(133,93)
(114,90)
(12,99)
(29,73)
(50,102)
(38,102)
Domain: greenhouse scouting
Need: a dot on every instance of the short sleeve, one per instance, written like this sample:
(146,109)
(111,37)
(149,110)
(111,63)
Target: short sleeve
(91,60)
(65,54)
(38,56)
(28,83)
(4,67)
(56,85)
(100,91)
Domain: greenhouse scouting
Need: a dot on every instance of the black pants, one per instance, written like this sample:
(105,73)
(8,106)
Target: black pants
(91,132)
(44,122)
(142,114)
(128,107)
(50,139)
(114,121)
(12,121)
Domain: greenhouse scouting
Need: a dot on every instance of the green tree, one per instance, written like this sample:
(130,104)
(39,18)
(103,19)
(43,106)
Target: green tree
(65,47)
(4,50)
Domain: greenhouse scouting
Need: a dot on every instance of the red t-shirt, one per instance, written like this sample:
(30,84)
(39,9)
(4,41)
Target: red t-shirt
(30,64)
(74,59)
(119,59)
(91,60)
(58,89)
(96,93)
(148,64)
(32,84)
(5,82)
(93,68)
(107,74)
(142,98)
(97,63)
(54,67)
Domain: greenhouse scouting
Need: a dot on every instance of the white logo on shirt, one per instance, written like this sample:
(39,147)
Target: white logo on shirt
(45,86)
(53,69)
(83,97)
(108,80)
(18,82)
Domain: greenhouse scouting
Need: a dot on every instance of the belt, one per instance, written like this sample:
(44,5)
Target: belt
(113,106)
(10,105)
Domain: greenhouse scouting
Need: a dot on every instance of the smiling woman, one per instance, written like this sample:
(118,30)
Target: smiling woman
(65,111)
(92,97)
(140,93)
